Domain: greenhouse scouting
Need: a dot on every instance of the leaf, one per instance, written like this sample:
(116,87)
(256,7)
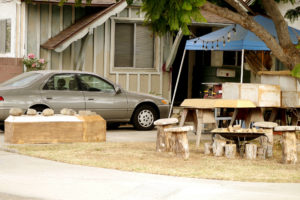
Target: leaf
(296,71)
(187,6)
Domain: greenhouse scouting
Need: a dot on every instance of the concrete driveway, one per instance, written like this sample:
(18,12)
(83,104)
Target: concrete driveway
(23,177)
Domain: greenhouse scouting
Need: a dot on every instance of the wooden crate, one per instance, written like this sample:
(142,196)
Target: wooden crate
(262,95)
(54,129)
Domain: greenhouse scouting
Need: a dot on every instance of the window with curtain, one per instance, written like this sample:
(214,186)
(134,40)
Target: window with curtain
(134,45)
(5,35)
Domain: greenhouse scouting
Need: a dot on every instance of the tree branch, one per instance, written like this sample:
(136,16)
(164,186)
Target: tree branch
(237,6)
(279,22)
(248,23)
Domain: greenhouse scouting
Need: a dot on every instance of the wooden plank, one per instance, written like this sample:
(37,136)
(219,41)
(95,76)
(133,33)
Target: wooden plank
(44,26)
(285,73)
(217,103)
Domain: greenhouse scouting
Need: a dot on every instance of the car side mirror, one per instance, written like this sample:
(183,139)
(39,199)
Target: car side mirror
(118,90)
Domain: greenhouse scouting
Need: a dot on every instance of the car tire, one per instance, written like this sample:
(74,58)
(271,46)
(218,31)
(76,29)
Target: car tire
(39,109)
(144,117)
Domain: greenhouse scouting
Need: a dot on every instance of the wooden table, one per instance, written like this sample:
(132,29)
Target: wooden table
(201,111)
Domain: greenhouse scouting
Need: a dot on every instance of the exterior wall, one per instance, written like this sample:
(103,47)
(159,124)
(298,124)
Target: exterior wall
(46,21)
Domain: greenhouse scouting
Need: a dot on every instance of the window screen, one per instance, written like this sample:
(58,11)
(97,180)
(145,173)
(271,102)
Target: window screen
(144,47)
(5,35)
(124,34)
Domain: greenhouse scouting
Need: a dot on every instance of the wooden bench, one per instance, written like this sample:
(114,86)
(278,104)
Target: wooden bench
(289,143)
(163,140)
(179,137)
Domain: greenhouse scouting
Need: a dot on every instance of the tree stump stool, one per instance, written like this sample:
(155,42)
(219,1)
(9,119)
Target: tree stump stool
(267,141)
(250,151)
(289,148)
(164,139)
(207,148)
(230,150)
(218,147)
(181,143)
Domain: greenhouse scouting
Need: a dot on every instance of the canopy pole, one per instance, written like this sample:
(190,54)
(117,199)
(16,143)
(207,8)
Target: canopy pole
(242,65)
(175,90)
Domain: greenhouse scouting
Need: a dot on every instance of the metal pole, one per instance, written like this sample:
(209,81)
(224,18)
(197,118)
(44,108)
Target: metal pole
(242,65)
(178,76)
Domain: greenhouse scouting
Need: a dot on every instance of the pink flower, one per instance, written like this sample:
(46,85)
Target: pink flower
(31,56)
(42,60)
(33,65)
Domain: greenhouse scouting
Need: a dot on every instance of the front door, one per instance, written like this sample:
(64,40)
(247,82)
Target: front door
(101,97)
(62,91)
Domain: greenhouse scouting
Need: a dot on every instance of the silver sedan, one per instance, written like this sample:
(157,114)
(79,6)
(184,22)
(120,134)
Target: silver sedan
(81,91)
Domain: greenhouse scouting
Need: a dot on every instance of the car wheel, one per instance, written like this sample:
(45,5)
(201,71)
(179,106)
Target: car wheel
(39,109)
(144,117)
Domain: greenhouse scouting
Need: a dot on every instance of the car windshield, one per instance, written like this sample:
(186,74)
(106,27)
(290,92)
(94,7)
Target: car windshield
(21,80)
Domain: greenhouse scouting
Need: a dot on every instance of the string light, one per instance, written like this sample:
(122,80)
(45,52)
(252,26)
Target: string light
(223,39)
(228,36)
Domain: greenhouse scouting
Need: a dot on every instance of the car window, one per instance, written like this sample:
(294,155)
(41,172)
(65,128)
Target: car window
(62,82)
(94,83)
(22,79)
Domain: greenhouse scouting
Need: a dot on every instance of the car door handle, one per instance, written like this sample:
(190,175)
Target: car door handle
(48,98)
(91,99)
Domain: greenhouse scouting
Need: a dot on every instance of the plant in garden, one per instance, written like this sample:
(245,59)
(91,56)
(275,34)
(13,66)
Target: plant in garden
(32,63)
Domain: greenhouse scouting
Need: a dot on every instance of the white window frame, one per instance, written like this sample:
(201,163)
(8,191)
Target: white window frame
(157,62)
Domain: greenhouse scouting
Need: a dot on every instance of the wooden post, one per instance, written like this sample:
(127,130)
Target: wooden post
(218,147)
(199,114)
(289,143)
(250,151)
(261,153)
(207,148)
(289,148)
(267,140)
(230,150)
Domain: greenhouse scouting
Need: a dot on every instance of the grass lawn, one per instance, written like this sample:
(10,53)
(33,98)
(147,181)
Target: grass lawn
(142,157)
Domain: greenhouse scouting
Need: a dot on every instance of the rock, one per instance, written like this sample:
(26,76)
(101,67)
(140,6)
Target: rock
(66,111)
(265,124)
(48,112)
(166,121)
(31,112)
(16,111)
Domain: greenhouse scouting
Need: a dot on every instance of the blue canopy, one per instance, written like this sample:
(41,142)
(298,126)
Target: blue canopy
(240,38)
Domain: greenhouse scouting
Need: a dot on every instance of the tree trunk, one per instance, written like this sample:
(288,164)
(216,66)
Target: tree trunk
(230,150)
(218,147)
(261,153)
(289,148)
(251,150)
(207,148)
(182,144)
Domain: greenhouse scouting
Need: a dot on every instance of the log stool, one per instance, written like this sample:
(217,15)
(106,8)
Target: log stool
(181,143)
(266,142)
(163,140)
(289,148)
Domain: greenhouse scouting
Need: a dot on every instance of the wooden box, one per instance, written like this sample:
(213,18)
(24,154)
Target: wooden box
(262,95)
(290,87)
(54,129)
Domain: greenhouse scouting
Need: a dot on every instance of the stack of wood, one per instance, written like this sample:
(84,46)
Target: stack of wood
(237,129)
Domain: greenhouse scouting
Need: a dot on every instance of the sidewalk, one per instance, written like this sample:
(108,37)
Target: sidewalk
(33,178)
